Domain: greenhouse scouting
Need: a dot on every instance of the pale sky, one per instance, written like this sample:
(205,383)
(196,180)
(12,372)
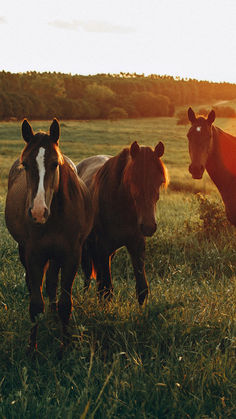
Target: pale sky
(186,38)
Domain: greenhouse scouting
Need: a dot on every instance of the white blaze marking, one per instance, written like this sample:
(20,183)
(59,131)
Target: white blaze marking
(39,204)
(198,129)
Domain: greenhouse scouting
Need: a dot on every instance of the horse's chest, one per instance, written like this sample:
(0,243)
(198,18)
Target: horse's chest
(117,228)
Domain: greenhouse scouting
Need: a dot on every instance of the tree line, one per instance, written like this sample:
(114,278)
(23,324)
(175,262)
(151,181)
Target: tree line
(45,95)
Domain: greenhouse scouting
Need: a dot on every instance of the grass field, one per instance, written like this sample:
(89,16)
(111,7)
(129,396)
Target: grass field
(176,357)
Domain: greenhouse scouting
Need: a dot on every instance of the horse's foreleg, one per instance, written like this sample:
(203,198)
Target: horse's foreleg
(86,264)
(137,254)
(22,259)
(52,283)
(104,281)
(35,269)
(68,272)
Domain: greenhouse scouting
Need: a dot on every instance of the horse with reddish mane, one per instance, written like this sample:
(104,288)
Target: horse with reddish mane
(124,191)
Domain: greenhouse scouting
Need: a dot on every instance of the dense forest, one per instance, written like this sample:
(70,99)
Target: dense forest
(45,95)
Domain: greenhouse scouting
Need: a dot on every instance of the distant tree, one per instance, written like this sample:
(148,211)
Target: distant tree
(148,104)
(101,96)
(47,86)
(45,95)
(1,108)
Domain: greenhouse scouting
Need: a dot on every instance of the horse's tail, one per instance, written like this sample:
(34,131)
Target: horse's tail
(87,263)
(94,272)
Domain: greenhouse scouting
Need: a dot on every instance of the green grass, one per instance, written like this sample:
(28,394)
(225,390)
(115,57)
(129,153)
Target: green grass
(174,358)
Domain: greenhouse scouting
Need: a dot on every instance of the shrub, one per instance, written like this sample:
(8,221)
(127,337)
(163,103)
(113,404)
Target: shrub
(212,216)
(221,111)
(182,118)
(117,113)
(203,112)
(224,111)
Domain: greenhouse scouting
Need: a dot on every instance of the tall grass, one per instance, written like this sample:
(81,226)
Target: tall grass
(175,357)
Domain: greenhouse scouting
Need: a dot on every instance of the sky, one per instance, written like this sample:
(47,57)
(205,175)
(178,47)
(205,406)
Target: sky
(181,38)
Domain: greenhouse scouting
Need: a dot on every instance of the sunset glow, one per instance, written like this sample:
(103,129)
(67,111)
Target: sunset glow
(193,39)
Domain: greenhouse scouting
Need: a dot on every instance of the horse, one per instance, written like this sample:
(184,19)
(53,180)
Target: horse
(49,213)
(214,150)
(124,190)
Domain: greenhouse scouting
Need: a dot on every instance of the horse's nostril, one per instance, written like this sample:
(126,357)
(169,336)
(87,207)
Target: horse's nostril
(191,168)
(46,213)
(148,230)
(38,217)
(196,171)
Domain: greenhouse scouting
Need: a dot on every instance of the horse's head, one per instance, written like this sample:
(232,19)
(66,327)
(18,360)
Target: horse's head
(144,175)
(200,142)
(41,159)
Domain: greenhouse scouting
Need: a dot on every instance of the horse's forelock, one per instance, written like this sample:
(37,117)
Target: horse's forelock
(145,157)
(42,139)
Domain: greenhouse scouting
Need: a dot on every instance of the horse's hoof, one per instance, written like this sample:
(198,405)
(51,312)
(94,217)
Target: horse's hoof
(142,297)
(38,317)
(31,351)
(53,307)
(60,353)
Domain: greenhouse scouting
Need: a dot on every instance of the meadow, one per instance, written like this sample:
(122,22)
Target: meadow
(175,357)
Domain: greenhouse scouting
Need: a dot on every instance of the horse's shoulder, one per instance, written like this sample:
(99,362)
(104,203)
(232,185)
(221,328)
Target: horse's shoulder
(14,173)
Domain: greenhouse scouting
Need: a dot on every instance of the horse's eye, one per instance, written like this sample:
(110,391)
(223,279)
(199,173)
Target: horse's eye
(25,165)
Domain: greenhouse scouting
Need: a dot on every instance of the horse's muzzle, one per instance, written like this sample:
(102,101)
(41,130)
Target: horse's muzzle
(38,218)
(196,171)
(148,229)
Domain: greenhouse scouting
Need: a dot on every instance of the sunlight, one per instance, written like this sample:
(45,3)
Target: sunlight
(96,38)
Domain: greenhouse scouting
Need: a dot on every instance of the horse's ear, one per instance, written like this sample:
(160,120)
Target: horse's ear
(159,149)
(211,117)
(55,130)
(134,149)
(27,132)
(191,115)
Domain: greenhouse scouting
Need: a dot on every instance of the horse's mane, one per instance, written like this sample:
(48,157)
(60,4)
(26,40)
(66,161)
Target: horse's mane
(112,170)
(70,183)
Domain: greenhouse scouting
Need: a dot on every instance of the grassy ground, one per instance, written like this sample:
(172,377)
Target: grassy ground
(175,358)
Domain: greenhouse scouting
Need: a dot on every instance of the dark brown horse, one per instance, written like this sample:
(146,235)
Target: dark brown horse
(213,149)
(49,213)
(124,190)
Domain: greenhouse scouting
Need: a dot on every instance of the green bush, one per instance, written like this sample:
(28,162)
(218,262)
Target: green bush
(212,216)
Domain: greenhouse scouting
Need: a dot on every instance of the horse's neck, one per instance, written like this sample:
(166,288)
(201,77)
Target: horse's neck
(221,164)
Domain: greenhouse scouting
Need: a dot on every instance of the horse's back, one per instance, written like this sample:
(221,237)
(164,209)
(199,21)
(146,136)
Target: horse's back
(70,163)
(87,168)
